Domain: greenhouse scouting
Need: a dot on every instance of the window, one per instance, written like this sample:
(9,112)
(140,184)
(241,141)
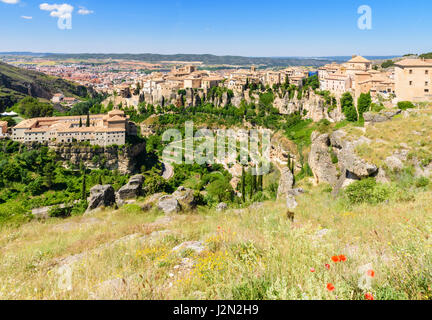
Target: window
(426,71)
(426,90)
(410,83)
(426,83)
(410,72)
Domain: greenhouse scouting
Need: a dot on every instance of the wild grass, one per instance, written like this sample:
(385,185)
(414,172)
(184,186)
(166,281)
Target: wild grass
(414,132)
(249,253)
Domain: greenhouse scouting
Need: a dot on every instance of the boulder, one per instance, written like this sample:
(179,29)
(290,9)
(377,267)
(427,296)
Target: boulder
(185,198)
(286,182)
(352,162)
(382,176)
(101,196)
(382,116)
(221,207)
(394,163)
(291,202)
(296,192)
(320,160)
(169,204)
(132,190)
(196,246)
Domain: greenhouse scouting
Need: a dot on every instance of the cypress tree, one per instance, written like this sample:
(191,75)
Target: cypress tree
(80,123)
(83,188)
(88,121)
(260,183)
(243,184)
(252,184)
(100,180)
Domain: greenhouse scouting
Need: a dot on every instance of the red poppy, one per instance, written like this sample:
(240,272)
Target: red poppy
(327,266)
(371,273)
(335,259)
(369,296)
(330,287)
(342,258)
(312,269)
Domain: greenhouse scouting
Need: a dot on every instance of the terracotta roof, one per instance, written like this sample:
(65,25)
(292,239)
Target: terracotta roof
(26,124)
(414,63)
(359,59)
(116,112)
(116,118)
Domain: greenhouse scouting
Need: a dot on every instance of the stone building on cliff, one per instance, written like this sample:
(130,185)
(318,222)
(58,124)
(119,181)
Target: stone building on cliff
(103,130)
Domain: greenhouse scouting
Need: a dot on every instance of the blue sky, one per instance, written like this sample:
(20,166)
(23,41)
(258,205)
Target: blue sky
(234,27)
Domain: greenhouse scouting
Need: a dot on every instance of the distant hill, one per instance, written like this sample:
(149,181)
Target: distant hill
(426,55)
(208,59)
(17,83)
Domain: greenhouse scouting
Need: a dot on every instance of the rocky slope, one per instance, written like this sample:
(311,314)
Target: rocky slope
(387,144)
(16,83)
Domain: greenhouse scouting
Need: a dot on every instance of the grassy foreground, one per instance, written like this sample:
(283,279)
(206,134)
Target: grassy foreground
(249,253)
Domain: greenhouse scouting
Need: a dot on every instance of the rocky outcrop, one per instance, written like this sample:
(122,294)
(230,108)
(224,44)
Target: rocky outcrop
(320,160)
(333,159)
(312,105)
(286,182)
(101,196)
(185,197)
(132,190)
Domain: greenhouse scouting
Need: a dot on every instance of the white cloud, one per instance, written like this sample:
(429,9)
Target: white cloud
(10,1)
(57,10)
(84,11)
(27,17)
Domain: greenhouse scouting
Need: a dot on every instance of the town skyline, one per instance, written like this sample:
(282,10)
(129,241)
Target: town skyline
(273,29)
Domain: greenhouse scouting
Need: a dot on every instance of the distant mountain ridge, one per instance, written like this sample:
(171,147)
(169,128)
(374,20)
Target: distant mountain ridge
(17,83)
(208,59)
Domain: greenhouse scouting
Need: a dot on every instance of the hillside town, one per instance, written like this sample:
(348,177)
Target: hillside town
(407,80)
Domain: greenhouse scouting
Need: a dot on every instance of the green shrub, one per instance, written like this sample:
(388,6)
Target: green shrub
(422,182)
(252,289)
(377,107)
(57,212)
(404,105)
(367,191)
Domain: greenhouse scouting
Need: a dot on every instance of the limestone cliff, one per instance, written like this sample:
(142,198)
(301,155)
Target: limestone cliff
(124,159)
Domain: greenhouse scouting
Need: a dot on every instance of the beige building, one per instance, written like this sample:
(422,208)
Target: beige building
(355,76)
(3,129)
(104,130)
(336,83)
(413,80)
